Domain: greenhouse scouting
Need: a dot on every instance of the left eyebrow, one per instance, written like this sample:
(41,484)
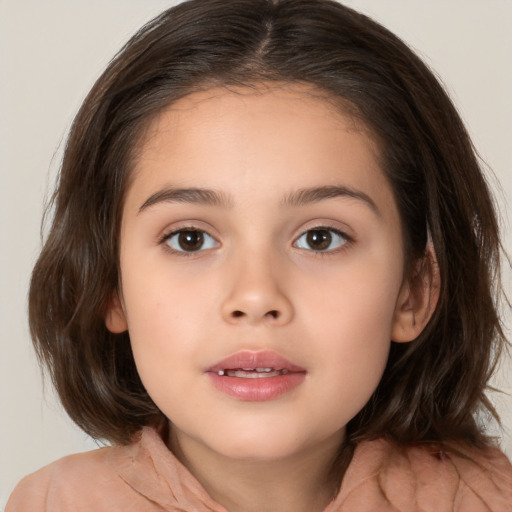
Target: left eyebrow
(316,194)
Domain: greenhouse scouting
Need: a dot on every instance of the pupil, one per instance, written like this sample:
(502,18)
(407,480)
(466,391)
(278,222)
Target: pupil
(319,239)
(191,240)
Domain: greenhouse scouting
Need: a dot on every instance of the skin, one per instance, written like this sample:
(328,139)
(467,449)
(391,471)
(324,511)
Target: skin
(256,284)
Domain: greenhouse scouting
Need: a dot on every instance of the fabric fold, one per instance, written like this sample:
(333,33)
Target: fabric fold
(145,476)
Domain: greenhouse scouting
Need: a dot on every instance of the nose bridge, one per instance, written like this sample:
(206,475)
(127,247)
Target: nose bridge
(257,289)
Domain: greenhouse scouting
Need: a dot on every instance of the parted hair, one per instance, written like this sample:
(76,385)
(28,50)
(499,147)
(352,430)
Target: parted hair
(433,388)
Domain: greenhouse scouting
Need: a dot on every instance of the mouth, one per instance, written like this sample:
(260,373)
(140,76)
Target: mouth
(255,376)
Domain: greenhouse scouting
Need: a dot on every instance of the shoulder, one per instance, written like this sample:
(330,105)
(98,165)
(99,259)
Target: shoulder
(79,482)
(427,477)
(140,477)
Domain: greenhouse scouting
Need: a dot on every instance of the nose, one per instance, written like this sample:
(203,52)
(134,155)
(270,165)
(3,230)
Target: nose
(256,294)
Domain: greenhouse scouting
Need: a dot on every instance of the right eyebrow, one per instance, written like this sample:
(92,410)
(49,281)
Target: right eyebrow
(187,195)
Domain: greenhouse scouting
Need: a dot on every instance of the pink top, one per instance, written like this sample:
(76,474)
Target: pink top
(146,477)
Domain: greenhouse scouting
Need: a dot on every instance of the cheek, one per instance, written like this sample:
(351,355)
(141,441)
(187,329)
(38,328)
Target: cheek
(352,334)
(160,297)
(166,314)
(356,303)
(353,358)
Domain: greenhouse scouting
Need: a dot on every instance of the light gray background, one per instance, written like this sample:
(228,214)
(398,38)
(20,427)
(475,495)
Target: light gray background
(51,51)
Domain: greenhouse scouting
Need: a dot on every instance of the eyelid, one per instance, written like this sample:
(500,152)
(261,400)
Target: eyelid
(186,225)
(171,232)
(325,226)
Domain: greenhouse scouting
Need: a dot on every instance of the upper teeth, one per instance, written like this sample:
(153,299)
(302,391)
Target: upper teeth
(248,372)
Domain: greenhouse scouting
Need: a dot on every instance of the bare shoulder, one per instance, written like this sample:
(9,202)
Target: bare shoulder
(83,481)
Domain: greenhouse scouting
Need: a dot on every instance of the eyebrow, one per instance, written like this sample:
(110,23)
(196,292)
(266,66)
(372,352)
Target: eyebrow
(297,198)
(187,195)
(316,194)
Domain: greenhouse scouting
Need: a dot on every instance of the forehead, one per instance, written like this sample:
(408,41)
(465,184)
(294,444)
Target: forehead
(262,108)
(230,137)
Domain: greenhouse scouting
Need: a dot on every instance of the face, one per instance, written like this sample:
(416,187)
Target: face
(261,270)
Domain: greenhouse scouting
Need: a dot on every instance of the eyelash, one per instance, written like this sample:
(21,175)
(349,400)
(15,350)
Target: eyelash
(176,232)
(347,240)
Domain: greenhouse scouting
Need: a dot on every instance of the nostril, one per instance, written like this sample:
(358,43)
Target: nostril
(273,313)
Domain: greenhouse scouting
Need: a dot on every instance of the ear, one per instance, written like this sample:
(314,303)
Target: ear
(417,299)
(115,317)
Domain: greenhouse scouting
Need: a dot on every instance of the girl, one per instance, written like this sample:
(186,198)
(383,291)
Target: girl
(270,276)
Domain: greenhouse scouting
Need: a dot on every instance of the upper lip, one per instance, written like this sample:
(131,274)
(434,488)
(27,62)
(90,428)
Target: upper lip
(248,360)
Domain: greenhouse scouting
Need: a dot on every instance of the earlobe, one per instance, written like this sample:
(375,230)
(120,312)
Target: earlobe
(417,300)
(115,318)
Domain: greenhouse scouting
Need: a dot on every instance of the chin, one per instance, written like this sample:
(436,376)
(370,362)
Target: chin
(258,443)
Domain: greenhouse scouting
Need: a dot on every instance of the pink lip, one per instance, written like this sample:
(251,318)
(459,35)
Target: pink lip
(256,389)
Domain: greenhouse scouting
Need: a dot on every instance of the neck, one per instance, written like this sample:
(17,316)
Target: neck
(303,482)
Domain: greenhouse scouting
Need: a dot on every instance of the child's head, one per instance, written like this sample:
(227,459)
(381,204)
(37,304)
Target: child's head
(359,95)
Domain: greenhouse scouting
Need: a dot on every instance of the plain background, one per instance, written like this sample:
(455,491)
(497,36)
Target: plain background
(50,54)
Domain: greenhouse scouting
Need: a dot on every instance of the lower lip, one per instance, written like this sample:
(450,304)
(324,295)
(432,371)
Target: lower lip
(259,389)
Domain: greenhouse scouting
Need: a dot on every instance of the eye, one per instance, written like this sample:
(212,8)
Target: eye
(321,240)
(190,240)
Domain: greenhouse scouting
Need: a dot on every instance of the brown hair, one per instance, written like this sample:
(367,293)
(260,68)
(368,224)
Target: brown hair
(433,387)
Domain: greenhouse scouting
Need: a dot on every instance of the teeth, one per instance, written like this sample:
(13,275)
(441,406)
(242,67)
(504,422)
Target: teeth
(252,373)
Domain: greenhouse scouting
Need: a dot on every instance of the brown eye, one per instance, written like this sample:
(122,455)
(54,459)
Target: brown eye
(321,240)
(190,240)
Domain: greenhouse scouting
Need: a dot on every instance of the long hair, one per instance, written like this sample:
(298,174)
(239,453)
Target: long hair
(431,388)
